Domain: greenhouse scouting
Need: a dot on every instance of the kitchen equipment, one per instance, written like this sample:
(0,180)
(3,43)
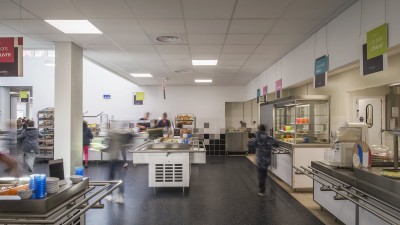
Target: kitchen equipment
(341,155)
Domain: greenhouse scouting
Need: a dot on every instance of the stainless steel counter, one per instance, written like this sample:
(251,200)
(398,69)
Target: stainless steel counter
(367,180)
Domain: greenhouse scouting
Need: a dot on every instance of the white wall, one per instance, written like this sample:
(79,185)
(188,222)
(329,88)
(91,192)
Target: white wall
(40,77)
(206,102)
(340,38)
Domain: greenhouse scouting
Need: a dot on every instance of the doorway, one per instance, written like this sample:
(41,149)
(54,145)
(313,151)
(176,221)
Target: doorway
(369,110)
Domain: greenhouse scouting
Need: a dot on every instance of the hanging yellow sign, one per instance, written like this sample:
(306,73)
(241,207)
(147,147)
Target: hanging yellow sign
(139,96)
(23,94)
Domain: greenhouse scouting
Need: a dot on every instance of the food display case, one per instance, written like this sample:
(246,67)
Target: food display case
(188,120)
(301,126)
(302,119)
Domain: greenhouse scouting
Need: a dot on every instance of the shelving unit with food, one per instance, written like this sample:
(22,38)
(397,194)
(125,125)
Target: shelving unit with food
(46,128)
(188,120)
(301,125)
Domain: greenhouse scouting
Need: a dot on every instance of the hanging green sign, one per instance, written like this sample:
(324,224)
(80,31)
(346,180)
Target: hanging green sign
(377,41)
(321,65)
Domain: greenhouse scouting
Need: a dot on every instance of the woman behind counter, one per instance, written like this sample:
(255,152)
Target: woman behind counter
(164,122)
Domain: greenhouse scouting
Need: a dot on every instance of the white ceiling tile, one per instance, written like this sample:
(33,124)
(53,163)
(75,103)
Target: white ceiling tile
(207,26)
(131,39)
(172,49)
(244,39)
(206,39)
(103,9)
(205,55)
(51,37)
(312,9)
(163,26)
(205,49)
(139,49)
(252,70)
(265,56)
(105,48)
(268,9)
(234,56)
(53,9)
(227,69)
(208,9)
(176,56)
(178,62)
(285,26)
(93,39)
(7,30)
(251,26)
(12,11)
(231,62)
(156,9)
(259,62)
(283,39)
(238,49)
(273,49)
(118,26)
(31,26)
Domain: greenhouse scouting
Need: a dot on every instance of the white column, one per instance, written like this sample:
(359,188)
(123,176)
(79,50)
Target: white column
(68,105)
(5,105)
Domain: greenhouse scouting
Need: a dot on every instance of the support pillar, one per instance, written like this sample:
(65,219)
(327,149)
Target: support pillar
(68,105)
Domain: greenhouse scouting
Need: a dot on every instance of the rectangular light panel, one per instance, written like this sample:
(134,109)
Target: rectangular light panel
(74,26)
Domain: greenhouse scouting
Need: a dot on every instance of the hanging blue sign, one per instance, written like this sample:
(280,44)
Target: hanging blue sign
(321,65)
(106,96)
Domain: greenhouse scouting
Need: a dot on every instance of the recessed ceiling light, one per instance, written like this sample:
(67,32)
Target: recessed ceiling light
(203,80)
(74,26)
(141,75)
(204,62)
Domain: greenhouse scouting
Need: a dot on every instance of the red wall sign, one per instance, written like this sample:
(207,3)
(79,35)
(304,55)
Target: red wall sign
(7,50)
(278,85)
(265,90)
(11,56)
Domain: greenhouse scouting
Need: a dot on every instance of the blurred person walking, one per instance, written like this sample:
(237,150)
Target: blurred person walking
(119,139)
(87,136)
(263,144)
(30,144)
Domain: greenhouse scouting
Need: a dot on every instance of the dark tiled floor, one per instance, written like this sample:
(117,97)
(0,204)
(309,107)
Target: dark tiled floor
(224,191)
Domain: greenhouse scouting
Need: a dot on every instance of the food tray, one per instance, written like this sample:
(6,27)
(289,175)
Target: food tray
(391,173)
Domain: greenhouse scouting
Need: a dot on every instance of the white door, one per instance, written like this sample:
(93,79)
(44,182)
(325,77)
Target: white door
(370,112)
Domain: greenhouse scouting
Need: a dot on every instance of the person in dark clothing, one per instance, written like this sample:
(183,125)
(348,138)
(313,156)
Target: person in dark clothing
(144,125)
(263,144)
(164,122)
(119,138)
(87,136)
(30,144)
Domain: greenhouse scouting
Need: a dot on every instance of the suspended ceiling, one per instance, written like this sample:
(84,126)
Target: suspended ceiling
(246,36)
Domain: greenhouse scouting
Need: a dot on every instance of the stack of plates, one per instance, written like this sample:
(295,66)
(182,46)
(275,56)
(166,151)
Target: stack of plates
(52,185)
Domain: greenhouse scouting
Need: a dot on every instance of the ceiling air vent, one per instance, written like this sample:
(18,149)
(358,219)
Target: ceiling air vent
(167,39)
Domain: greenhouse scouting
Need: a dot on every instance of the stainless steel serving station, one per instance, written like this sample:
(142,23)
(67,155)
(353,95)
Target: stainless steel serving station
(169,163)
(67,206)
(355,196)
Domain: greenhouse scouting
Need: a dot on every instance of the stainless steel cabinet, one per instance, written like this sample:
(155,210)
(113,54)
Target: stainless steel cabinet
(236,141)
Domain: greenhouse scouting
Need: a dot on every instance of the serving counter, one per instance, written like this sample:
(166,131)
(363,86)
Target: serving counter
(169,163)
(355,196)
(288,155)
(67,206)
